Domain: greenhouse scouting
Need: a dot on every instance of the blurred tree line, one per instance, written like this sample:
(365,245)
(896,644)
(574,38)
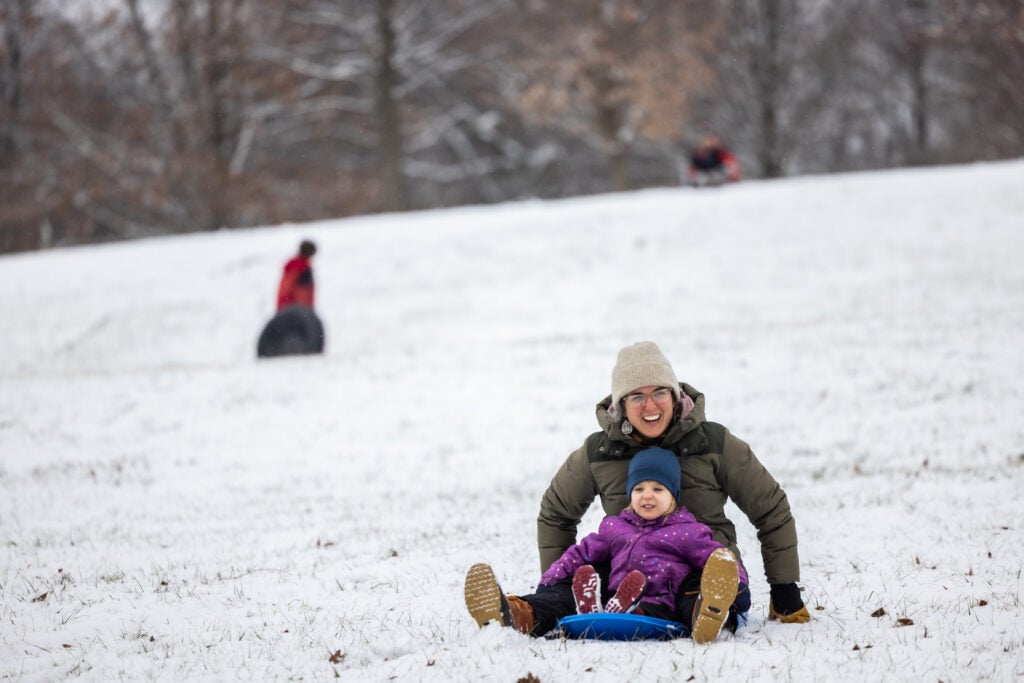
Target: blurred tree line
(142,117)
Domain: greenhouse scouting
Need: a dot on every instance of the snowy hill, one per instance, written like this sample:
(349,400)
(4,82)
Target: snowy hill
(173,509)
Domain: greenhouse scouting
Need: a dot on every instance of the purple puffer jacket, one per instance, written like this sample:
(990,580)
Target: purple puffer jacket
(666,550)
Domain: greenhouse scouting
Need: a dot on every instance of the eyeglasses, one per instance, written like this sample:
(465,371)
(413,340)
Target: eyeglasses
(638,400)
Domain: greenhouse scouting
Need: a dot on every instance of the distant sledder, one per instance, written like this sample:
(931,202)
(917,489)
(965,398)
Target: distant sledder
(295,329)
(712,164)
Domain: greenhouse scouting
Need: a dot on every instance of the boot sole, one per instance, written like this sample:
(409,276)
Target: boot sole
(586,591)
(483,595)
(629,592)
(718,584)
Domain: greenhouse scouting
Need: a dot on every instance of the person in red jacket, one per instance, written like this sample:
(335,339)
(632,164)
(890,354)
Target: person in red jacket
(711,163)
(296,288)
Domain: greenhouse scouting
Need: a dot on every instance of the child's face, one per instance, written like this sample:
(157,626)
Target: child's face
(651,500)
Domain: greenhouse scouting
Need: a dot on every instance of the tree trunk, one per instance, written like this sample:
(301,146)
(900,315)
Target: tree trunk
(393,190)
(919,103)
(768,85)
(10,79)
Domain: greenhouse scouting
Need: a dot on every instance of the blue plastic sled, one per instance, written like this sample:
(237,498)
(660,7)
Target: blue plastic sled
(611,626)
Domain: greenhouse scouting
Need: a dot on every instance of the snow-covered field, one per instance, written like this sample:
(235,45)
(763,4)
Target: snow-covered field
(172,509)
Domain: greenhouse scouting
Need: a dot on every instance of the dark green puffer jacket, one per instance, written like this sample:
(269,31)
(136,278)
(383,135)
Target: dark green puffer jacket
(715,464)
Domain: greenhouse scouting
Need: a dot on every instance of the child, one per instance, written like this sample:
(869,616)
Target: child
(657,557)
(296,287)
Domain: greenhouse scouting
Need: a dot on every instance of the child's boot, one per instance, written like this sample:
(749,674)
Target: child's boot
(586,589)
(718,585)
(486,601)
(630,589)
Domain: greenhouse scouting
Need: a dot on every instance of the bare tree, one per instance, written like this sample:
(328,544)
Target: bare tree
(613,73)
(918,78)
(985,58)
(857,88)
(14,15)
(196,85)
(44,71)
(399,81)
(906,32)
(163,116)
(756,59)
(394,197)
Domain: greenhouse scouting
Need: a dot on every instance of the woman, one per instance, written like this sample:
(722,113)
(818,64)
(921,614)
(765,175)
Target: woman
(649,406)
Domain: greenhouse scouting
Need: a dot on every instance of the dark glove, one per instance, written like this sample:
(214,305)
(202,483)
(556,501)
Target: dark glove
(786,605)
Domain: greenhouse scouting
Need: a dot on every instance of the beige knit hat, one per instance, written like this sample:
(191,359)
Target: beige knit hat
(642,365)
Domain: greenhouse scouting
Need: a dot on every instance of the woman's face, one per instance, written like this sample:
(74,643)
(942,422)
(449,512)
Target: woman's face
(649,410)
(650,500)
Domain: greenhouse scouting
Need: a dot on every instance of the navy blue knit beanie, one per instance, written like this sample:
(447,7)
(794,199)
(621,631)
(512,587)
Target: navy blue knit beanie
(654,464)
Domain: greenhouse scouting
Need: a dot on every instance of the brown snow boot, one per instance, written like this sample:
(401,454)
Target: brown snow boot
(486,601)
(718,584)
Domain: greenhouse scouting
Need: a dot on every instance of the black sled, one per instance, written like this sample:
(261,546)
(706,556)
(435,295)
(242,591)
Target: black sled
(294,331)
